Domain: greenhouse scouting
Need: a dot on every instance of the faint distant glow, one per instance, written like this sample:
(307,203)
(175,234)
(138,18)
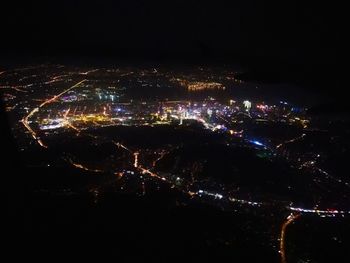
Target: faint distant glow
(209,112)
(262,107)
(219,196)
(118,109)
(69,98)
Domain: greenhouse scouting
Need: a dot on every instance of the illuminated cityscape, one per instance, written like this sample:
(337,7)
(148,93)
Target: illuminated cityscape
(186,130)
(138,131)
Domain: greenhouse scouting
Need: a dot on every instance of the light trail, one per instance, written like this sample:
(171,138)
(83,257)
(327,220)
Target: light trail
(319,212)
(207,125)
(66,113)
(88,72)
(292,140)
(241,201)
(60,94)
(25,120)
(162,154)
(13,87)
(18,89)
(67,122)
(219,116)
(332,177)
(136,161)
(312,164)
(119,145)
(80,166)
(72,126)
(290,219)
(146,171)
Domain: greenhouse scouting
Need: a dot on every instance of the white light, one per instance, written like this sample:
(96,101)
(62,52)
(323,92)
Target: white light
(247,104)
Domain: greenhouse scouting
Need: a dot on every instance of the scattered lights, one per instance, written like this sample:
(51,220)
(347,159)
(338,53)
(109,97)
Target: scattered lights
(231,102)
(195,86)
(262,107)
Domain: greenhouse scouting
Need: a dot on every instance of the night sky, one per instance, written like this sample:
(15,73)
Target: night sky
(281,40)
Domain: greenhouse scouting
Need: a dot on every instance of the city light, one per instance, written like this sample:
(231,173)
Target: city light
(202,146)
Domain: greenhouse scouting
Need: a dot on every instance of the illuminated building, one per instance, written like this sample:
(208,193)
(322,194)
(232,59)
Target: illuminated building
(247,104)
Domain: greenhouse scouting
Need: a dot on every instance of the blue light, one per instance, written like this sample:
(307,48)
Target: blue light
(257,143)
(295,109)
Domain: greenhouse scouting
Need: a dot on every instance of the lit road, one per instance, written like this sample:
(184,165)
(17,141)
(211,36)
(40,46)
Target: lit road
(291,140)
(60,94)
(13,87)
(83,167)
(119,145)
(67,122)
(136,162)
(162,154)
(290,219)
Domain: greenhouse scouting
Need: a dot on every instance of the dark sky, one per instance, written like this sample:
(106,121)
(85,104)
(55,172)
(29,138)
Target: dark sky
(294,37)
